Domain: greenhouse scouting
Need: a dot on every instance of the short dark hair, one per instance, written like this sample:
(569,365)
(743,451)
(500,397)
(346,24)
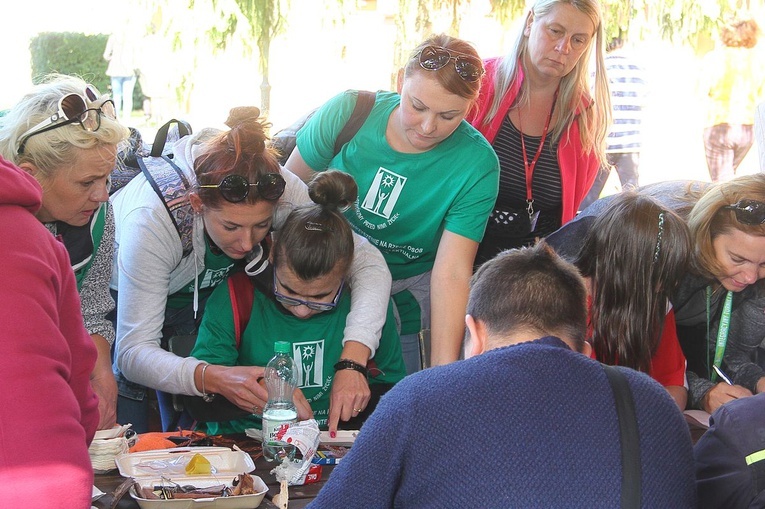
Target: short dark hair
(530,288)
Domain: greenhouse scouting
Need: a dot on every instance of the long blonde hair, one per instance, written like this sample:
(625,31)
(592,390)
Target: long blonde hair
(593,119)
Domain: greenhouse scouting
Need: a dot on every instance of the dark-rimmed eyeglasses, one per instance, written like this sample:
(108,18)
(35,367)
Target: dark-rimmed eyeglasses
(433,58)
(235,188)
(73,108)
(749,212)
(316,306)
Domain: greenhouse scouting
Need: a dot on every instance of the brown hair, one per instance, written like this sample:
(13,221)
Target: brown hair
(447,76)
(530,288)
(316,238)
(242,150)
(635,254)
(709,218)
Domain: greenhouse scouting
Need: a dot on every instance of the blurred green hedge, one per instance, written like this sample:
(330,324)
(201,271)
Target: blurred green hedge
(74,54)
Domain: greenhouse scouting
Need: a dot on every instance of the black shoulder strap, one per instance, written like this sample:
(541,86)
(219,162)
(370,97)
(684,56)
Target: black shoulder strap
(164,135)
(630,439)
(361,110)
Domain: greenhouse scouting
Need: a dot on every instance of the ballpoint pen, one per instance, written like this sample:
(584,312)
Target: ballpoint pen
(722,375)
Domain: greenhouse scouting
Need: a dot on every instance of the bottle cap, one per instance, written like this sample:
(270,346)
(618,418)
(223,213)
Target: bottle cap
(282,347)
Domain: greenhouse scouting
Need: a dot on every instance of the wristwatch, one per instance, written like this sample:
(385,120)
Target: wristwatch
(349,364)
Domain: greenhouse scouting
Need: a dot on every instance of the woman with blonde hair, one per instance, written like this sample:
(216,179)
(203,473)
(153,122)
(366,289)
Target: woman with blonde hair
(65,134)
(719,305)
(536,110)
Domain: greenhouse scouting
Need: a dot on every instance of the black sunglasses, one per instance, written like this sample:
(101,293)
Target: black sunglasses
(73,108)
(433,58)
(235,188)
(750,212)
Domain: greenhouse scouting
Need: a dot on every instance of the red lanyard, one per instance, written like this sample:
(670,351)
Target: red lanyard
(529,168)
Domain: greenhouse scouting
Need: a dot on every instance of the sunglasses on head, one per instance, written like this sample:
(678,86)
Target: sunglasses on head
(433,58)
(316,306)
(235,188)
(750,212)
(73,108)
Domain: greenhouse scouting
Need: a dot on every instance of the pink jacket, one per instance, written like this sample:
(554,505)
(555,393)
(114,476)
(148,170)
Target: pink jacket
(577,169)
(48,411)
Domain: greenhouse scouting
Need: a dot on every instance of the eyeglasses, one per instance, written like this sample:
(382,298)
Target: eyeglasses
(750,212)
(73,108)
(433,58)
(235,188)
(316,306)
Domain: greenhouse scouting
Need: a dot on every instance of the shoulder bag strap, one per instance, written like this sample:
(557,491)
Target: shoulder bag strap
(630,439)
(364,102)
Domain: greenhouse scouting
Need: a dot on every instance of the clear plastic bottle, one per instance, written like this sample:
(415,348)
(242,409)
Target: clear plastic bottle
(281,381)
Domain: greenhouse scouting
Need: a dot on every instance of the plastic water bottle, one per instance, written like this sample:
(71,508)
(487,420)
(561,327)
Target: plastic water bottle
(281,381)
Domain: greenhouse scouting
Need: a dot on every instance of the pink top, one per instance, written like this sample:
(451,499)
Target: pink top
(48,411)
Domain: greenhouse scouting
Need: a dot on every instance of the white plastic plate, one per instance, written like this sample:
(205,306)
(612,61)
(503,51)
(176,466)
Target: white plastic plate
(172,462)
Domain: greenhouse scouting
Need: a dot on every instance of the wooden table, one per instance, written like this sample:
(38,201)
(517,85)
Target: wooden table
(300,496)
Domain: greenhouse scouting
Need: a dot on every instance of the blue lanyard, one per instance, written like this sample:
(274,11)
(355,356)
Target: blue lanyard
(722,331)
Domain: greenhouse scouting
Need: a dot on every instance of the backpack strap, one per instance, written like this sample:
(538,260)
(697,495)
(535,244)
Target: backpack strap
(241,292)
(172,187)
(629,437)
(364,102)
(165,135)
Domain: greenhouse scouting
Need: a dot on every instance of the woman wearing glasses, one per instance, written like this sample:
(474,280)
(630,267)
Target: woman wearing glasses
(238,193)
(306,304)
(427,182)
(536,111)
(64,133)
(719,304)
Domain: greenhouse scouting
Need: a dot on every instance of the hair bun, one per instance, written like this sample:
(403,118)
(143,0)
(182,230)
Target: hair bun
(242,114)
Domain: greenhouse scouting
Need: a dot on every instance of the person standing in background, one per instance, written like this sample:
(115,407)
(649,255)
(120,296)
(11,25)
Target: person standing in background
(628,94)
(735,84)
(120,52)
(536,111)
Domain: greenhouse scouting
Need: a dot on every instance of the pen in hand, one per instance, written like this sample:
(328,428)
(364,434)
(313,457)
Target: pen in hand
(722,375)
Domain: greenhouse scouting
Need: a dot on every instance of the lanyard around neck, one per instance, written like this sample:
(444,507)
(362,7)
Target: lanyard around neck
(529,167)
(722,331)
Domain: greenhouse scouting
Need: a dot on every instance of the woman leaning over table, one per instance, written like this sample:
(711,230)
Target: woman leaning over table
(64,133)
(549,134)
(238,193)
(305,302)
(427,182)
(720,304)
(632,252)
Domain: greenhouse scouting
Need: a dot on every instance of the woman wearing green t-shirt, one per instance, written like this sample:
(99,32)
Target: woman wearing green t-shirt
(427,180)
(306,303)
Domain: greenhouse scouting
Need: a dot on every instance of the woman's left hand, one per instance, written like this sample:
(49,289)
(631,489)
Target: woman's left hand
(350,396)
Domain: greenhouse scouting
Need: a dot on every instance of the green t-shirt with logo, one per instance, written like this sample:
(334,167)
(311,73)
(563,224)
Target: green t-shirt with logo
(406,201)
(216,269)
(316,347)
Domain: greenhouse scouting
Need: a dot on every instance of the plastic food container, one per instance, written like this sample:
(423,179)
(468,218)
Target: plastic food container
(154,468)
